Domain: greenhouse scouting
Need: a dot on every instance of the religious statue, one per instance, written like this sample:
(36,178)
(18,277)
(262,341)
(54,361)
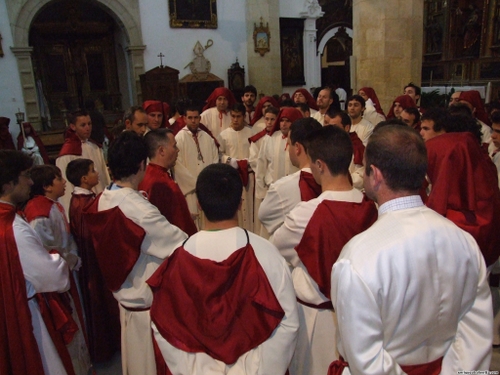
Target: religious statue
(200,66)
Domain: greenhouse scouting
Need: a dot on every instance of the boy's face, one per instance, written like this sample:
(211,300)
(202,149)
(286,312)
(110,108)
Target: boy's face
(92,177)
(155,120)
(285,126)
(57,188)
(82,127)
(237,120)
(269,118)
(495,135)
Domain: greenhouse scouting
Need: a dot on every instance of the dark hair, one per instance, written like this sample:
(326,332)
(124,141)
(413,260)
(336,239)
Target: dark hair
(304,107)
(191,108)
(73,116)
(418,90)
(287,103)
(154,139)
(399,152)
(251,89)
(495,117)
(492,106)
(76,169)
(238,107)
(358,98)
(130,113)
(329,89)
(413,111)
(185,104)
(272,109)
(43,176)
(460,109)
(333,146)
(126,154)
(344,117)
(459,124)
(12,163)
(391,121)
(218,189)
(301,128)
(440,117)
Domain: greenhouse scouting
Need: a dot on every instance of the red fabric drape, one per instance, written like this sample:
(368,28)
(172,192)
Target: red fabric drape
(257,115)
(288,112)
(311,102)
(309,188)
(220,91)
(404,101)
(370,92)
(358,148)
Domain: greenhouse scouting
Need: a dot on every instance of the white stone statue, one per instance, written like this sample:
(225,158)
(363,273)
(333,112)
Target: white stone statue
(200,66)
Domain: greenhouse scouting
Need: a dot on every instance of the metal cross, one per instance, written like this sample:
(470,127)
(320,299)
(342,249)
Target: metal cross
(161,55)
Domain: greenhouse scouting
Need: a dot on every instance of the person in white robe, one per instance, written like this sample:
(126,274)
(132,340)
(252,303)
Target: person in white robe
(284,194)
(412,290)
(324,100)
(197,150)
(79,146)
(221,239)
(234,147)
(355,108)
(215,115)
(134,295)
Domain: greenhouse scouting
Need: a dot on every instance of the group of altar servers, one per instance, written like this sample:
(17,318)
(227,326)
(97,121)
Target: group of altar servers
(288,246)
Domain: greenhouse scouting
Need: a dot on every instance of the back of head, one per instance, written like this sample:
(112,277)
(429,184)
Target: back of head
(303,107)
(440,117)
(301,128)
(495,117)
(125,155)
(461,123)
(76,169)
(344,117)
(460,109)
(414,112)
(399,153)
(43,176)
(183,104)
(154,139)
(333,146)
(12,163)
(391,121)
(218,189)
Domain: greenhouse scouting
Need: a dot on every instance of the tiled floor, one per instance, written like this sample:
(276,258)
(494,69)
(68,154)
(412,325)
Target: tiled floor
(114,366)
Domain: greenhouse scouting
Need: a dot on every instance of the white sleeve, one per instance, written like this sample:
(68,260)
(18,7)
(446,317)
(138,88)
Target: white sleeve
(254,154)
(61,163)
(46,272)
(357,173)
(222,149)
(184,178)
(357,311)
(262,165)
(271,213)
(471,348)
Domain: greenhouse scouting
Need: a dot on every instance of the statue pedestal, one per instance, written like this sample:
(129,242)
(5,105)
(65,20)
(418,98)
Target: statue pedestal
(198,91)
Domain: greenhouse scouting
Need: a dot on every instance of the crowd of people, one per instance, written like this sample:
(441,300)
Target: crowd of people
(287,237)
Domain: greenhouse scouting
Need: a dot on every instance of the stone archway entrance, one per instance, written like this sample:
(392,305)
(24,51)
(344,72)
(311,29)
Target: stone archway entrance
(88,69)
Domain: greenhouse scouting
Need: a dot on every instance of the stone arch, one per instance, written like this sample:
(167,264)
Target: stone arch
(330,34)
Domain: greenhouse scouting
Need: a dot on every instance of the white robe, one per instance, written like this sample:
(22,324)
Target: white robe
(160,241)
(316,347)
(89,151)
(320,117)
(31,148)
(411,289)
(234,144)
(274,160)
(260,190)
(259,125)
(43,272)
(191,165)
(210,118)
(371,115)
(282,196)
(364,129)
(272,356)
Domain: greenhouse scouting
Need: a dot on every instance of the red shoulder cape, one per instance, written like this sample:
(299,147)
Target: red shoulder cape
(18,348)
(309,188)
(465,188)
(38,206)
(117,242)
(331,226)
(254,138)
(165,194)
(358,148)
(228,307)
(72,144)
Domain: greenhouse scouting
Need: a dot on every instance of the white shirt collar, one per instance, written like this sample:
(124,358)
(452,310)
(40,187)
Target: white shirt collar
(403,203)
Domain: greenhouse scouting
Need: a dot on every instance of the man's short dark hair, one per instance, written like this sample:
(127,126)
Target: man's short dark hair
(461,124)
(191,108)
(304,107)
(12,164)
(400,154)
(358,98)
(344,117)
(440,117)
(301,128)
(495,117)
(287,103)
(413,111)
(130,113)
(126,154)
(218,189)
(154,139)
(272,109)
(492,106)
(251,89)
(333,146)
(73,116)
(76,169)
(238,107)
(184,104)
(460,109)
(43,176)
(391,121)
(418,90)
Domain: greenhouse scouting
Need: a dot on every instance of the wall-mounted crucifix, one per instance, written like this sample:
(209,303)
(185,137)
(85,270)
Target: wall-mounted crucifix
(161,56)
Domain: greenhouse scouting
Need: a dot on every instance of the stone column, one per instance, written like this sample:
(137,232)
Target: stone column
(264,72)
(387,45)
(312,60)
(136,66)
(28,85)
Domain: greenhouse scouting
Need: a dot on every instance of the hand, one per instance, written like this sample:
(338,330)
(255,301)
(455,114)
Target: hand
(233,163)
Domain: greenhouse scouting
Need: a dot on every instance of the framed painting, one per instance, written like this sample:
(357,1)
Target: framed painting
(193,14)
(292,51)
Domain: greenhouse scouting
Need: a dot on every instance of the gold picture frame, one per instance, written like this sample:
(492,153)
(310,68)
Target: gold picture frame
(193,14)
(261,37)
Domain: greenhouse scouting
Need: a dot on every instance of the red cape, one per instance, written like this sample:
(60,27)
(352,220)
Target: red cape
(254,138)
(405,101)
(177,125)
(370,92)
(164,193)
(6,142)
(474,98)
(257,115)
(465,188)
(311,102)
(309,188)
(72,144)
(101,309)
(358,148)
(331,226)
(116,253)
(38,206)
(38,141)
(19,352)
(228,307)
